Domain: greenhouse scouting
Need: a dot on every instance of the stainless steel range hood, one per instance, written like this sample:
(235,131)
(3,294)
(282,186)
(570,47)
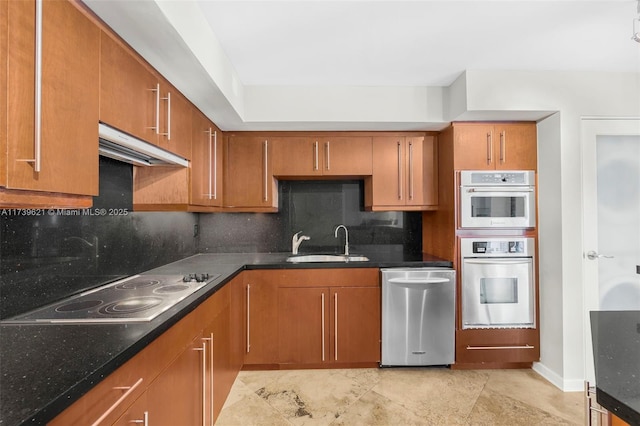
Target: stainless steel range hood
(121,146)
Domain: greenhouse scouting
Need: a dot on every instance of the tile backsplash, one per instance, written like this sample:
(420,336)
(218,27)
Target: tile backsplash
(49,257)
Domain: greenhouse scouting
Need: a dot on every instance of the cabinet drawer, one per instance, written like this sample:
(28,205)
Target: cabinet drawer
(497,346)
(111,397)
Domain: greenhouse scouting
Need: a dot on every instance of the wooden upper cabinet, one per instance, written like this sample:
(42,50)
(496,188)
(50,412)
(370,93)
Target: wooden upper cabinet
(404,174)
(295,156)
(3,91)
(175,121)
(68,141)
(129,92)
(313,155)
(248,180)
(495,146)
(206,162)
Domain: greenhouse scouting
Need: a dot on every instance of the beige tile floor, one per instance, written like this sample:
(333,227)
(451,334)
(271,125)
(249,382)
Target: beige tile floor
(398,396)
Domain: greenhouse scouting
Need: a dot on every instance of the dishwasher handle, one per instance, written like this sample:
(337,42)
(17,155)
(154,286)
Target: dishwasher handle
(419,281)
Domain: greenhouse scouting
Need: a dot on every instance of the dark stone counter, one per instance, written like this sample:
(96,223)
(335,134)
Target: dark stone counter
(616,353)
(44,368)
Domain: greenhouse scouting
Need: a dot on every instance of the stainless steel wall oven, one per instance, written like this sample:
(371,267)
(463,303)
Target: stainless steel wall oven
(498,282)
(498,199)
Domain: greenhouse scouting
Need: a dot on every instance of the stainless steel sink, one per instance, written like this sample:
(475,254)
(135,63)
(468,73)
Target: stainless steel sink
(311,258)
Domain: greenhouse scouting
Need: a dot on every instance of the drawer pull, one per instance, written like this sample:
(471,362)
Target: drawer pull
(129,390)
(499,347)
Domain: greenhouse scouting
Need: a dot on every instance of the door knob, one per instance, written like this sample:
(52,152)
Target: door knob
(592,255)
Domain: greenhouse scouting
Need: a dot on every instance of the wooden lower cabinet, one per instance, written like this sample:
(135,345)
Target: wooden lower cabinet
(181,378)
(260,317)
(328,325)
(479,348)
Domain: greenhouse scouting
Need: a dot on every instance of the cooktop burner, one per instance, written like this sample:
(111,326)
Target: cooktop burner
(138,298)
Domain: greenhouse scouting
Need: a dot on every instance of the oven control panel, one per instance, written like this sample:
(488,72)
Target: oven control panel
(497,247)
(502,178)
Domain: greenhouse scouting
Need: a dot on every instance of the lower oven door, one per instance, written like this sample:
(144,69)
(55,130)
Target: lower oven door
(498,293)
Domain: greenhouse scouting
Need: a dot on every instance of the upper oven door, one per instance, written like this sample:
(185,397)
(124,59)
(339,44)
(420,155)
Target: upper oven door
(497,207)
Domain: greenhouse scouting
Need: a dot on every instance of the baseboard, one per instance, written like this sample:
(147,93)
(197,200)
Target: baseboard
(557,380)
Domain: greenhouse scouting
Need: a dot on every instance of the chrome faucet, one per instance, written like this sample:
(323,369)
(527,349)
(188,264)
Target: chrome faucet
(346,238)
(295,242)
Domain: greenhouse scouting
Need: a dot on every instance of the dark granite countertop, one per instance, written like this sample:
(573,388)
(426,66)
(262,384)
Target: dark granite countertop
(616,353)
(45,368)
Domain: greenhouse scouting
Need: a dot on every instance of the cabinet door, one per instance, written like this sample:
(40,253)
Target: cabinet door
(220,372)
(69,101)
(129,92)
(176,396)
(248,179)
(421,171)
(175,121)
(303,325)
(355,328)
(482,346)
(347,156)
(387,182)
(473,146)
(4,7)
(261,318)
(296,156)
(516,146)
(206,162)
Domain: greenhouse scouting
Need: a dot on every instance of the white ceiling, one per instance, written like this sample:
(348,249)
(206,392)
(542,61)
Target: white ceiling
(412,43)
(278,65)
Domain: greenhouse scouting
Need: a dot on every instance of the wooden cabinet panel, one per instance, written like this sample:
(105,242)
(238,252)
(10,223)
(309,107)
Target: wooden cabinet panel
(481,346)
(137,413)
(128,91)
(175,121)
(499,146)
(4,12)
(295,156)
(176,396)
(69,100)
(312,155)
(206,162)
(355,328)
(303,325)
(347,156)
(405,174)
(248,181)
(261,317)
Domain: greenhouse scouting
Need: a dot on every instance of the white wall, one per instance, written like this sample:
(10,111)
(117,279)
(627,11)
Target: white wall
(573,95)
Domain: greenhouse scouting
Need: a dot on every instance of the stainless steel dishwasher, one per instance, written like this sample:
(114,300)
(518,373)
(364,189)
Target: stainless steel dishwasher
(418,316)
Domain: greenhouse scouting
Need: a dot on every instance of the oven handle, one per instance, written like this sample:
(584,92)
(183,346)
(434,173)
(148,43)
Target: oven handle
(501,189)
(497,261)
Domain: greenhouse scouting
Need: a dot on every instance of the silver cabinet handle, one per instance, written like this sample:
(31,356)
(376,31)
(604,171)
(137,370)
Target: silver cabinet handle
(503,146)
(592,255)
(248,317)
(168,99)
(590,405)
(499,347)
(156,127)
(322,327)
(335,325)
(410,170)
(144,421)
(209,133)
(203,349)
(38,89)
(399,170)
(266,177)
(489,148)
(327,146)
(315,156)
(37,124)
(210,340)
(215,165)
(129,390)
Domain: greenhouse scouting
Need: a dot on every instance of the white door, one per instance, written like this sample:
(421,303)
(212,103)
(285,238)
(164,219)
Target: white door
(611,219)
